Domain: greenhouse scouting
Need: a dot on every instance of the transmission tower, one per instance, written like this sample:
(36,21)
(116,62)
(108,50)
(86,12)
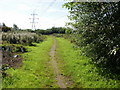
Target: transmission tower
(33,20)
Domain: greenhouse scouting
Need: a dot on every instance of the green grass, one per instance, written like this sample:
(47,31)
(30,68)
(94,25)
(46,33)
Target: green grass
(35,72)
(79,69)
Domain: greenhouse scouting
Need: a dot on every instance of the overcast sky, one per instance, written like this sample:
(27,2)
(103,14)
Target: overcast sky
(19,11)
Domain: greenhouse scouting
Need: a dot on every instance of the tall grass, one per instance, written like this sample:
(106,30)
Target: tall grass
(83,73)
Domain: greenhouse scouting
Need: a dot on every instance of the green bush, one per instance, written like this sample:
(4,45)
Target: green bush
(99,27)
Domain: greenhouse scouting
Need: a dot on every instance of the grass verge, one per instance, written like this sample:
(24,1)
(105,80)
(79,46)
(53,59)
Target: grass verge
(35,72)
(79,69)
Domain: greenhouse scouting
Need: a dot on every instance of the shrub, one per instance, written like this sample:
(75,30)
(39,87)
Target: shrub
(25,38)
(99,27)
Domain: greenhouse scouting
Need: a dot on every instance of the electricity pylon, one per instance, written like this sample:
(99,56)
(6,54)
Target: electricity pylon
(33,20)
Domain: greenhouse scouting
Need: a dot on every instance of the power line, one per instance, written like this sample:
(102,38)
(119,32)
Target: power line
(34,15)
(50,5)
(45,10)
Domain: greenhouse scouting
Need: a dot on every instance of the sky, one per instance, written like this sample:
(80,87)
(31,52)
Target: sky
(49,12)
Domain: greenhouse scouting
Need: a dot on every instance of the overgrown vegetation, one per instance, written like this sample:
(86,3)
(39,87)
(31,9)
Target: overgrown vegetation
(24,38)
(98,26)
(79,68)
(35,71)
(11,56)
(13,45)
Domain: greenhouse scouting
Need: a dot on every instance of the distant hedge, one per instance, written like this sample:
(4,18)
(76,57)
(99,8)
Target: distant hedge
(59,30)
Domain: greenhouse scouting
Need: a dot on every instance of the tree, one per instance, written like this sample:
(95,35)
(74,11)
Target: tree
(99,27)
(5,28)
(15,27)
(3,24)
(59,30)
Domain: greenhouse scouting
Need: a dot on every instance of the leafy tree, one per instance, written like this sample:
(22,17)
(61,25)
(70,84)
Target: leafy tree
(68,31)
(3,24)
(99,27)
(15,27)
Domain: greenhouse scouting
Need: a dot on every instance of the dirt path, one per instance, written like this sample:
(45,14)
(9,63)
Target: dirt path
(59,77)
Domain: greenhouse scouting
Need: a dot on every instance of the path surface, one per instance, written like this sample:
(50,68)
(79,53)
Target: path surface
(59,77)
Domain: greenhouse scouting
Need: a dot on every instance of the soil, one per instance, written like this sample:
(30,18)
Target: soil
(10,61)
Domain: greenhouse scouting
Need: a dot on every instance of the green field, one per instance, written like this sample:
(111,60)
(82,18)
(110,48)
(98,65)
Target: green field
(37,72)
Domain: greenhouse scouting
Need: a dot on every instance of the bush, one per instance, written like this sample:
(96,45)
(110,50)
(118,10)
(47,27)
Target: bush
(99,27)
(6,29)
(24,38)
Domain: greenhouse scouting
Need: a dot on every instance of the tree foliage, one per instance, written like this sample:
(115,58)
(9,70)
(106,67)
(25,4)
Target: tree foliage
(15,27)
(5,28)
(99,27)
(59,30)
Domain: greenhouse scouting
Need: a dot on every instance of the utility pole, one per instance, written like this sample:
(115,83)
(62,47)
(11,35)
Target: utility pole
(33,20)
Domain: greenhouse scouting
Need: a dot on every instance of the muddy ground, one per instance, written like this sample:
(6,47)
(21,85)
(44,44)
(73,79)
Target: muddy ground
(11,60)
